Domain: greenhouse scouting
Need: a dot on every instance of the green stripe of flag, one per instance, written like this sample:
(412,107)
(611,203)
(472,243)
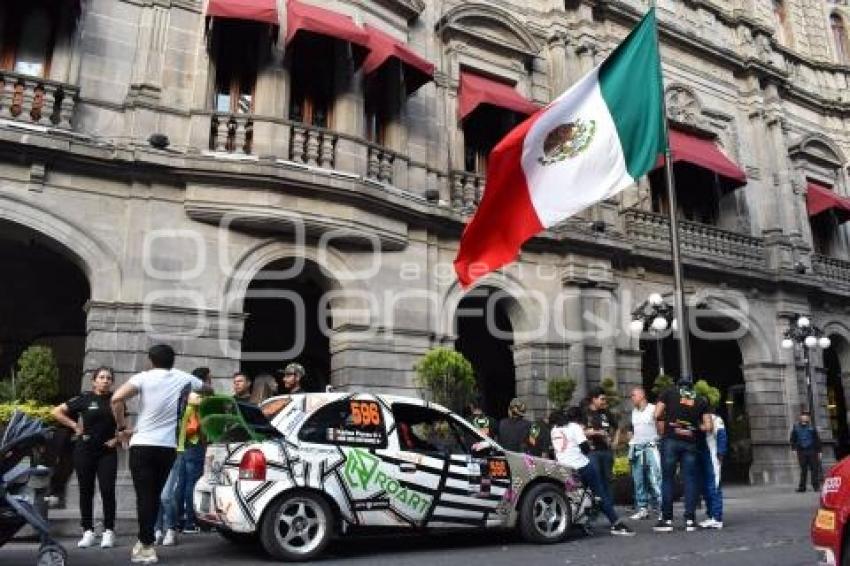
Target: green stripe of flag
(630,81)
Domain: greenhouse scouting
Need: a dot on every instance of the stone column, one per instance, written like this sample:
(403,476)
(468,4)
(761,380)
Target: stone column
(150,51)
(271,100)
(348,111)
(574,335)
(558,72)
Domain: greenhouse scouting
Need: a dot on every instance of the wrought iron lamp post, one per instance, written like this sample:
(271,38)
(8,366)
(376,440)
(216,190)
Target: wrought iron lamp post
(654,316)
(801,332)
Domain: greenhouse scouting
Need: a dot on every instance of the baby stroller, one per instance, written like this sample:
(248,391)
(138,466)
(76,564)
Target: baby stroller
(23,485)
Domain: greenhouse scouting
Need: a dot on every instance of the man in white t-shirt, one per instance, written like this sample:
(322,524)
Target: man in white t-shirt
(162,392)
(571,448)
(644,457)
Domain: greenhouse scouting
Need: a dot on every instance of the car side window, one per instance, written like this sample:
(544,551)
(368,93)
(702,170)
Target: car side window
(426,431)
(470,439)
(350,422)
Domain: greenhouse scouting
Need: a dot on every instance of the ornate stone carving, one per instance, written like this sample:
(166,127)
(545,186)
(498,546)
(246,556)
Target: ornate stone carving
(682,105)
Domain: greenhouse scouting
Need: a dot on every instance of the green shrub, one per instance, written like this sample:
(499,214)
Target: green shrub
(38,375)
(560,392)
(447,375)
(712,394)
(612,394)
(622,466)
(30,408)
(661,384)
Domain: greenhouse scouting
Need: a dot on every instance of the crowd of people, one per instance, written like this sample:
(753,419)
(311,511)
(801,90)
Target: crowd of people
(679,438)
(166,444)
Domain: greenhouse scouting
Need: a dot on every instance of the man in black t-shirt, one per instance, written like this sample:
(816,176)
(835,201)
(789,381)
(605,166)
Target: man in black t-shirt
(514,429)
(683,418)
(600,429)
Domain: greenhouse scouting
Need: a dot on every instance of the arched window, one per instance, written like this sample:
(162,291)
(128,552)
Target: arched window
(839,37)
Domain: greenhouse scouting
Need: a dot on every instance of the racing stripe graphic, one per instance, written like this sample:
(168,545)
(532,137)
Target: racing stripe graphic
(254,494)
(243,505)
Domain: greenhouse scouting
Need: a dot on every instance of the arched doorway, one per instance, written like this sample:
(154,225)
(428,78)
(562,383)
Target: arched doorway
(43,294)
(485,337)
(718,360)
(836,401)
(288,321)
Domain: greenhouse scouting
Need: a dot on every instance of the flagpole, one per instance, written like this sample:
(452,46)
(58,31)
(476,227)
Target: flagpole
(678,278)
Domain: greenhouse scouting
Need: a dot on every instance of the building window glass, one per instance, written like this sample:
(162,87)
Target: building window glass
(312,94)
(698,193)
(236,48)
(482,130)
(378,107)
(27,37)
(839,37)
(824,229)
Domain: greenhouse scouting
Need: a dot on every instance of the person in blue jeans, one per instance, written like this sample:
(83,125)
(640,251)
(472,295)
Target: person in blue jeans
(571,449)
(711,452)
(683,418)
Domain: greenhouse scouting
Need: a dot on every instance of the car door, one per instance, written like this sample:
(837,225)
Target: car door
(433,462)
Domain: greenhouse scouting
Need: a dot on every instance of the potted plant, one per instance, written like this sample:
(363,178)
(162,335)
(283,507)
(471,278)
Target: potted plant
(560,392)
(447,377)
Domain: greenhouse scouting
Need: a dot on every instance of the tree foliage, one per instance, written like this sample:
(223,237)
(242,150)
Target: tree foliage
(661,384)
(38,375)
(612,394)
(712,394)
(560,392)
(447,376)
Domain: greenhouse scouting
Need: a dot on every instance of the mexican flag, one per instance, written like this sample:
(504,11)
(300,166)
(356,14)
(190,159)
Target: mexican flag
(591,142)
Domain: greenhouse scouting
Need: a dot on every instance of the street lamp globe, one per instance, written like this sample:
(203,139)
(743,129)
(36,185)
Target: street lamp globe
(655,299)
(803,322)
(824,342)
(787,343)
(810,341)
(659,324)
(674,325)
(636,326)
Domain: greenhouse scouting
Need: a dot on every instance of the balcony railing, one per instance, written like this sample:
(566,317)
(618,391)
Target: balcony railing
(466,190)
(832,269)
(312,146)
(231,133)
(34,100)
(380,164)
(697,240)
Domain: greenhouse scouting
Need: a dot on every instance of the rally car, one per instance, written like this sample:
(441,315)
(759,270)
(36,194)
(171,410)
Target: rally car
(830,533)
(302,469)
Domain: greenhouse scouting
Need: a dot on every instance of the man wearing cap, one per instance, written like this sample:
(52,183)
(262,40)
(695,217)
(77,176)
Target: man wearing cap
(292,375)
(514,429)
(682,417)
(485,424)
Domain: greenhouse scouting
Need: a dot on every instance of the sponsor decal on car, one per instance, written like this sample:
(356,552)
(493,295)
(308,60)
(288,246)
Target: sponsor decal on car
(362,472)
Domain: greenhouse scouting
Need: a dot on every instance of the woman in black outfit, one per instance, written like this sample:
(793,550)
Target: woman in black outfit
(95,454)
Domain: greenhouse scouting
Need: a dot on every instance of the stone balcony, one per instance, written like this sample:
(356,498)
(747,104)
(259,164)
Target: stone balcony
(466,190)
(37,101)
(832,270)
(698,241)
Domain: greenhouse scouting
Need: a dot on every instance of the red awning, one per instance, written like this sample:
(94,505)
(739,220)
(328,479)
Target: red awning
(820,198)
(476,90)
(301,17)
(704,153)
(254,10)
(384,47)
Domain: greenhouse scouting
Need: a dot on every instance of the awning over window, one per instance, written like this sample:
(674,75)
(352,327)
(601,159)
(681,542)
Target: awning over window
(704,153)
(820,198)
(301,17)
(384,47)
(476,90)
(253,10)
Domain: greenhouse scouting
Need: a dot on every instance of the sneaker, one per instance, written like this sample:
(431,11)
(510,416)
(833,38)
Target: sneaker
(621,529)
(87,540)
(663,526)
(690,526)
(191,531)
(157,537)
(711,524)
(170,538)
(107,539)
(143,554)
(801,490)
(641,514)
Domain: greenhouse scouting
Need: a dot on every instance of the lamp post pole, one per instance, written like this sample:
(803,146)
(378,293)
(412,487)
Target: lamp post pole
(654,316)
(801,332)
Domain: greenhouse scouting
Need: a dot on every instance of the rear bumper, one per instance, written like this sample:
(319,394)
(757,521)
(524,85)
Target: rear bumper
(217,506)
(827,543)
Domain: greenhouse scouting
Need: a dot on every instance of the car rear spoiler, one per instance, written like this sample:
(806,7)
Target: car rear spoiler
(224,419)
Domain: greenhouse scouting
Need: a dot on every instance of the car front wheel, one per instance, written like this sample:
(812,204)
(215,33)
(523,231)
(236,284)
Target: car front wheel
(544,515)
(297,527)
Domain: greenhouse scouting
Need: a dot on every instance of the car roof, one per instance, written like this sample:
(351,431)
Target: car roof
(333,396)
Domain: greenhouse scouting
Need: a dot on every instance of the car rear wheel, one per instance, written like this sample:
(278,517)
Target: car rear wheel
(544,515)
(297,527)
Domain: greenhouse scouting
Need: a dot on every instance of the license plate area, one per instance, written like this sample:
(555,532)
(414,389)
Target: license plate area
(214,465)
(825,520)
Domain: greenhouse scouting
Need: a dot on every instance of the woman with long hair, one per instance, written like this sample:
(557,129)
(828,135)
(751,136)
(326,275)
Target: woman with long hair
(89,415)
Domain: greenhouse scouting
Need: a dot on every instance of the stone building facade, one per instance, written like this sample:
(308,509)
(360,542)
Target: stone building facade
(304,208)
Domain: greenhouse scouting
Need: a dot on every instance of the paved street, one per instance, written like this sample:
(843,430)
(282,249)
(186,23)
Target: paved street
(765,527)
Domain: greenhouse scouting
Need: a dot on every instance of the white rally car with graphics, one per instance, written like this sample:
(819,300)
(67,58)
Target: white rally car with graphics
(323,464)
